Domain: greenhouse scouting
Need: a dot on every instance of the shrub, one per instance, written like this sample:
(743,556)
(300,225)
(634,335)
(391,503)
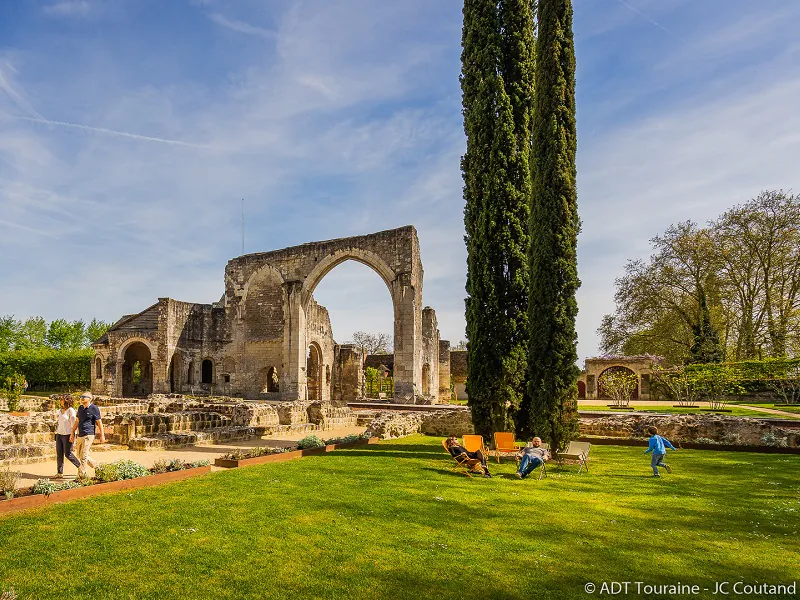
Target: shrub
(162,465)
(119,470)
(309,442)
(705,440)
(348,439)
(734,439)
(242,453)
(47,487)
(12,387)
(770,439)
(8,482)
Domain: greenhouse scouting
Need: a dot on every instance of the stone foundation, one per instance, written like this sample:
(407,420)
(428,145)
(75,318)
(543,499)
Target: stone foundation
(692,428)
(394,423)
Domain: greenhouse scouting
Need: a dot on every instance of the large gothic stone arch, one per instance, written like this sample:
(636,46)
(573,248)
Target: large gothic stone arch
(395,257)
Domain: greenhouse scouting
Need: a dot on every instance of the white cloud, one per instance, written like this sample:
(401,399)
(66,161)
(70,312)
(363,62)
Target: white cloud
(68,8)
(241,26)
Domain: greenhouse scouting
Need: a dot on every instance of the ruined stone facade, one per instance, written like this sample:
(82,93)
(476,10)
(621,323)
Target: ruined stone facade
(267,338)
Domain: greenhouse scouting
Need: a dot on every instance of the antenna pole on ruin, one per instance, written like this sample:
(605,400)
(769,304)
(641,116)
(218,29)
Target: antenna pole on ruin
(242,225)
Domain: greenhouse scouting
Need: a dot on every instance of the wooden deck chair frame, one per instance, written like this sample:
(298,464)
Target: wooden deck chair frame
(463,461)
(578,451)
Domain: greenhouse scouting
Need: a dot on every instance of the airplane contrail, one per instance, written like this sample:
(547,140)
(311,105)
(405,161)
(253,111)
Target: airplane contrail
(649,20)
(135,136)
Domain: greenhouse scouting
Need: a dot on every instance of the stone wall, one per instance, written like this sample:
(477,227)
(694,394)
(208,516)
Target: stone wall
(444,371)
(692,428)
(395,423)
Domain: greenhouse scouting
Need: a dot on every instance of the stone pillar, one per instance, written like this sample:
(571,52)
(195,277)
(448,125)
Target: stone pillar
(444,371)
(348,376)
(295,346)
(407,340)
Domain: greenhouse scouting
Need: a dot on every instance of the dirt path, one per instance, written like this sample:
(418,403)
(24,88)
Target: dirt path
(30,472)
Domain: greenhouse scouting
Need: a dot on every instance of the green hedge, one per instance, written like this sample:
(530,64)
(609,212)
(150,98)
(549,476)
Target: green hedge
(47,369)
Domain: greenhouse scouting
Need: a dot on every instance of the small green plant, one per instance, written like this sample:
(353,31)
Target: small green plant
(8,482)
(705,440)
(770,439)
(160,465)
(309,442)
(47,487)
(119,470)
(348,439)
(242,453)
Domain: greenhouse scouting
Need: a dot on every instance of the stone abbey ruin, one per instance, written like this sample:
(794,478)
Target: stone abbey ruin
(268,339)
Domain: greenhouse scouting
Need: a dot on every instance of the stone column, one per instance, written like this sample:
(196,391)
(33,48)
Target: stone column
(444,371)
(407,340)
(295,345)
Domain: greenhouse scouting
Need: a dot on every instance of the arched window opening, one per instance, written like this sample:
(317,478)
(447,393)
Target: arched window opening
(190,373)
(98,368)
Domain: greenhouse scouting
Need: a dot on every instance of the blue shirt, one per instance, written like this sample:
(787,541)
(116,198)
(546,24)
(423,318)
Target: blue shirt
(87,417)
(657,445)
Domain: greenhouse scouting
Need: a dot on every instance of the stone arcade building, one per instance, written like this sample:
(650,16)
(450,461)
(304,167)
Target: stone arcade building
(267,338)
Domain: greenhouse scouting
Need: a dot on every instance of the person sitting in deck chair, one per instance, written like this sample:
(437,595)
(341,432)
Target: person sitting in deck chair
(531,457)
(457,449)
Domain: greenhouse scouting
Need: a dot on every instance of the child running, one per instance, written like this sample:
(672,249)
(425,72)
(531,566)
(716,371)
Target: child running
(658,446)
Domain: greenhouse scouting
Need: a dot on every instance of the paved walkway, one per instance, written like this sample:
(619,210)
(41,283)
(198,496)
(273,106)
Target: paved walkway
(29,473)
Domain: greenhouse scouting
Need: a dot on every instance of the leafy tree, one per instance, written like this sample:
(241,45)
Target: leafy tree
(551,411)
(95,330)
(32,334)
(619,384)
(9,331)
(716,383)
(677,383)
(497,85)
(372,343)
(731,289)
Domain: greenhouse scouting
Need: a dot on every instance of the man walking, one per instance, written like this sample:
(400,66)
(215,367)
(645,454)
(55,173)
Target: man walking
(88,417)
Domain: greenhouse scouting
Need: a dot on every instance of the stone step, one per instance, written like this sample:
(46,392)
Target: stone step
(161,441)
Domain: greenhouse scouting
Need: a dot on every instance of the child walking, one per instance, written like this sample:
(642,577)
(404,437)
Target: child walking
(658,446)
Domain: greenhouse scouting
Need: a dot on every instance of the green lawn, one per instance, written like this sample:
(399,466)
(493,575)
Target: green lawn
(392,521)
(736,411)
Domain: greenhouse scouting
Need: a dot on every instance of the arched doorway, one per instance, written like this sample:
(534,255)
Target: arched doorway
(603,394)
(314,373)
(581,390)
(137,372)
(175,370)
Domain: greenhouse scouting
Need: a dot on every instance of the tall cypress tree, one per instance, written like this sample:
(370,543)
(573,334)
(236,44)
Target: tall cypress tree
(554,225)
(496,82)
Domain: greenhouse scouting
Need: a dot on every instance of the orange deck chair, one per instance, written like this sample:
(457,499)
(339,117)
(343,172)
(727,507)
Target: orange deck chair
(504,444)
(462,461)
(473,443)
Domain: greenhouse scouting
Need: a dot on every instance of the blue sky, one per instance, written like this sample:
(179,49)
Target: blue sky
(130,130)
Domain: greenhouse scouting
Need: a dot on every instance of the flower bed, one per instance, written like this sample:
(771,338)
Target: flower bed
(118,476)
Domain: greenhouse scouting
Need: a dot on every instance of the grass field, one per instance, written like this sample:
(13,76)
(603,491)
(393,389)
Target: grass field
(393,521)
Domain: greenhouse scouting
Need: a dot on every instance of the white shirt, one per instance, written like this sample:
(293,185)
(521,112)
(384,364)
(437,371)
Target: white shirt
(66,421)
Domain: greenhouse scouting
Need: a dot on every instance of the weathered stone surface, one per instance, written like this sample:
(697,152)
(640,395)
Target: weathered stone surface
(394,423)
(267,338)
(690,428)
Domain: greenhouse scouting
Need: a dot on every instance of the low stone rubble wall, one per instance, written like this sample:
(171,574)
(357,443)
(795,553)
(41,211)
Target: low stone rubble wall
(327,416)
(394,423)
(693,428)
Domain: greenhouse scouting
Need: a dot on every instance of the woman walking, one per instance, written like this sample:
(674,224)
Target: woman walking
(66,421)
